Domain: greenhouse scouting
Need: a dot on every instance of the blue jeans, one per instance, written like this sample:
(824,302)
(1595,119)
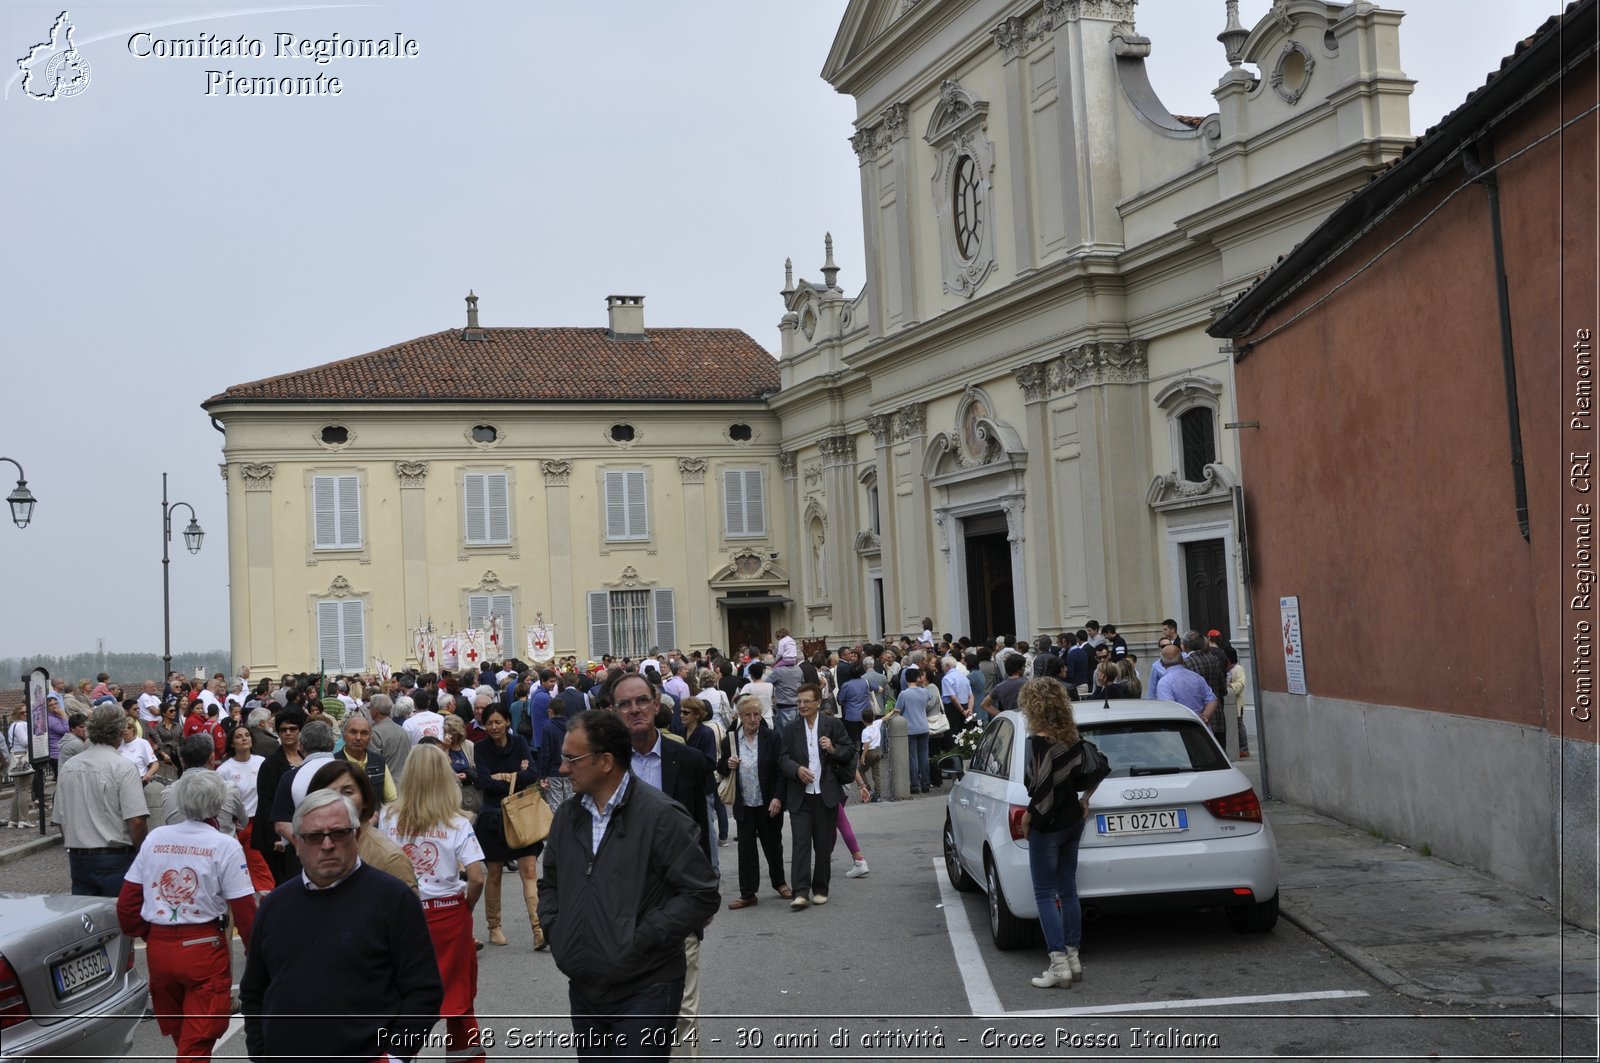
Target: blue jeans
(711,832)
(783,716)
(1053,862)
(639,1026)
(918,746)
(98,874)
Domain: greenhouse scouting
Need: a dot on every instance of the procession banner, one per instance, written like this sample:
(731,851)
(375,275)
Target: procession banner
(541,642)
(1294,659)
(38,715)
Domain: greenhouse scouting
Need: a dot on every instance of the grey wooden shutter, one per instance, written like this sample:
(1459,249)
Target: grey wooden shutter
(599,622)
(477,507)
(638,509)
(481,606)
(755,502)
(497,501)
(666,619)
(733,502)
(330,647)
(349,490)
(353,632)
(616,505)
(325,510)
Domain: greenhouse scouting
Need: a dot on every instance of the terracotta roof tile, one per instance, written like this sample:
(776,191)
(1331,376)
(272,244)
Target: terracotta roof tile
(534,364)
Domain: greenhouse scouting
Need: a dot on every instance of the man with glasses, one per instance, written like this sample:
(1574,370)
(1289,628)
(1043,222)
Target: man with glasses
(623,885)
(377,992)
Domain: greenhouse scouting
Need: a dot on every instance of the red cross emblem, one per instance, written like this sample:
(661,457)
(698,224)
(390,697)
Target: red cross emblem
(472,655)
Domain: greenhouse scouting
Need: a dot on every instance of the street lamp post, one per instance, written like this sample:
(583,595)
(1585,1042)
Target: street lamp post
(20,499)
(192,535)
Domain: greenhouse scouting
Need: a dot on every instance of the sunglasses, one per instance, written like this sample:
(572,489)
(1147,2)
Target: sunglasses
(316,838)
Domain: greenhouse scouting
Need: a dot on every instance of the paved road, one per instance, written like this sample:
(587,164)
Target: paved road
(903,967)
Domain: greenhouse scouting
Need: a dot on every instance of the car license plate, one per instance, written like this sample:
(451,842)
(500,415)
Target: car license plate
(1157,821)
(80,971)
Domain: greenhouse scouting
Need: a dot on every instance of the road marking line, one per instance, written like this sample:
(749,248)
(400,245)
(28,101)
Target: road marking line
(984,1001)
(1168,1005)
(981,996)
(235,1024)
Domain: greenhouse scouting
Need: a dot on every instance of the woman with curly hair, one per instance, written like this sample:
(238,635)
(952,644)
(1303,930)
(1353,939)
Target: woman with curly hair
(1061,766)
(427,822)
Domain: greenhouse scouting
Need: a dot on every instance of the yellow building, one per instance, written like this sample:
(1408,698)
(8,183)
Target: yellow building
(615,481)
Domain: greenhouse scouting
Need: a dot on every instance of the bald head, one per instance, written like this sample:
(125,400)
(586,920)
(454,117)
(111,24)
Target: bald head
(1171,655)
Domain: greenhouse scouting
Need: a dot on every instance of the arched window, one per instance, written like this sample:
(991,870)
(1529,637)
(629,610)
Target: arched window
(1198,441)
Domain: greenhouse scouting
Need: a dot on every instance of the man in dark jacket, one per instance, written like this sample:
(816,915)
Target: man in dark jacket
(816,749)
(622,885)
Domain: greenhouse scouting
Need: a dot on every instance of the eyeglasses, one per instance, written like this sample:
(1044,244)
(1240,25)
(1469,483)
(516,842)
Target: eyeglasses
(573,760)
(642,702)
(316,838)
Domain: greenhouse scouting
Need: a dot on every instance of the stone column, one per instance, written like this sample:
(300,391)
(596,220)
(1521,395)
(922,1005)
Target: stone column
(413,478)
(693,599)
(882,426)
(558,529)
(1042,590)
(915,533)
(260,593)
(839,487)
(1013,36)
(1016,534)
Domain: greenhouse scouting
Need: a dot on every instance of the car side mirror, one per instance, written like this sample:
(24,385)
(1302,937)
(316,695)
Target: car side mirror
(951,765)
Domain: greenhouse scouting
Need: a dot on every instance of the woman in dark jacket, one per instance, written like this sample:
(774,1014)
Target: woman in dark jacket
(750,752)
(504,762)
(553,732)
(263,836)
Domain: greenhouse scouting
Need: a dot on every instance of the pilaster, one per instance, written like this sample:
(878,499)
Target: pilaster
(558,528)
(692,473)
(413,479)
(262,601)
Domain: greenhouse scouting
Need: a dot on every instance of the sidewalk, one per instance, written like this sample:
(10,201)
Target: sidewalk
(15,842)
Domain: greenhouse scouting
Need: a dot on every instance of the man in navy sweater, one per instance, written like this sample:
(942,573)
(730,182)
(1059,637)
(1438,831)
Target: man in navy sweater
(341,965)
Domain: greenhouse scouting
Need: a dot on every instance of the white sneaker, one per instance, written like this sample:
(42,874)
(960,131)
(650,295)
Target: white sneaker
(857,869)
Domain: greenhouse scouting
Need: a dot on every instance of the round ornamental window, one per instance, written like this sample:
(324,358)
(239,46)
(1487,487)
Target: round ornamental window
(622,433)
(335,435)
(484,433)
(739,433)
(967,212)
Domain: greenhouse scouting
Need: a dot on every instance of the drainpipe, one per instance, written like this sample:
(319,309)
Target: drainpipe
(1508,361)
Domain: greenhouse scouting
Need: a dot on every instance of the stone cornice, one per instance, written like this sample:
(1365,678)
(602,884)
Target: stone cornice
(1106,362)
(878,135)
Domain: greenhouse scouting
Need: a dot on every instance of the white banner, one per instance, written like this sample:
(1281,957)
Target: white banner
(449,652)
(541,643)
(471,647)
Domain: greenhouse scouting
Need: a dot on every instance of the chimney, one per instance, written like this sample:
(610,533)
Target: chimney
(625,317)
(472,333)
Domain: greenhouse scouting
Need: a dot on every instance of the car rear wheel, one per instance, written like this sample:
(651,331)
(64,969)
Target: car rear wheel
(952,861)
(1254,918)
(1008,931)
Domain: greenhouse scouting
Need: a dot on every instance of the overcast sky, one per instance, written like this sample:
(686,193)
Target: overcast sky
(163,244)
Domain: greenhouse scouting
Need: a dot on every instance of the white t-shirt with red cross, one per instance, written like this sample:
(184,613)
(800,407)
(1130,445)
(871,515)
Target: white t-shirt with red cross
(189,871)
(437,856)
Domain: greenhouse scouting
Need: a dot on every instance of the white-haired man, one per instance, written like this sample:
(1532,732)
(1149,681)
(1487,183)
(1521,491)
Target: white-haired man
(101,808)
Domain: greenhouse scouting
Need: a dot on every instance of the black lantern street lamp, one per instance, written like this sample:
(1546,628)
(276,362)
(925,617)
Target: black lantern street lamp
(21,499)
(192,537)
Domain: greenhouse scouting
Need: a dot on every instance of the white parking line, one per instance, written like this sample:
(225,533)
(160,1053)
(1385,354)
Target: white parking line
(981,996)
(985,1002)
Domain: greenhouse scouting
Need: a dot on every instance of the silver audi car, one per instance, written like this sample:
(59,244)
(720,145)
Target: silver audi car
(1173,826)
(68,987)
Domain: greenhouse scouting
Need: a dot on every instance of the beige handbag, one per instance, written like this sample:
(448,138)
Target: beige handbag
(527,817)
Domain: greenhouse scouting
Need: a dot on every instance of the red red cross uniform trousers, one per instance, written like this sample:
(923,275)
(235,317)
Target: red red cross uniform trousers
(439,857)
(185,880)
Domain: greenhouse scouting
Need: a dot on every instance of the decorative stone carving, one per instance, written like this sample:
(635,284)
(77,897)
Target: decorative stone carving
(748,566)
(895,118)
(693,470)
(222,467)
(869,142)
(1014,526)
(339,588)
(411,473)
(1106,363)
(813,474)
(881,425)
(962,188)
(1109,10)
(1034,381)
(976,443)
(490,581)
(257,475)
(868,544)
(629,578)
(940,527)
(556,471)
(1014,36)
(1170,491)
(1291,94)
(911,420)
(786,464)
(837,450)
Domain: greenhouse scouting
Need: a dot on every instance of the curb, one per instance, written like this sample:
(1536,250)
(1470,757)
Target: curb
(1388,976)
(28,848)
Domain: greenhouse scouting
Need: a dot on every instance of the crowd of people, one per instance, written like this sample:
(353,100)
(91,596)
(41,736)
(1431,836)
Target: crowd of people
(253,804)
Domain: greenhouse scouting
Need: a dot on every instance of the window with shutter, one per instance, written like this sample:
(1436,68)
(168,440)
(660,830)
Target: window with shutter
(627,511)
(743,503)
(336,505)
(666,619)
(487,496)
(341,634)
(482,606)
